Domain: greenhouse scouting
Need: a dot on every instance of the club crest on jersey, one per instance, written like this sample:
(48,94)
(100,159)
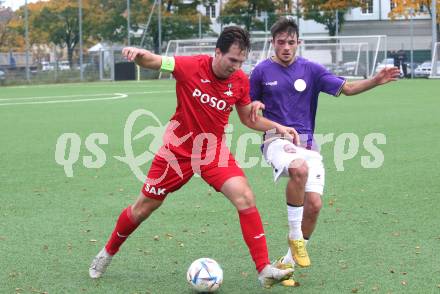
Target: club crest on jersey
(229,91)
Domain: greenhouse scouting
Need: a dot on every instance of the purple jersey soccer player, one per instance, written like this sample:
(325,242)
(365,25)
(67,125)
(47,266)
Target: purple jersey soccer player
(290,94)
(287,87)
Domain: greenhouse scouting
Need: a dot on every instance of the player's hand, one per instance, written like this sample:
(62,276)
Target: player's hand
(255,108)
(131,53)
(289,133)
(386,75)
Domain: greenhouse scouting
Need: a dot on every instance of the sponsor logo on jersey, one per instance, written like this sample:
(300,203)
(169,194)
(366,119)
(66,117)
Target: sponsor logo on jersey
(210,100)
(273,83)
(204,81)
(154,190)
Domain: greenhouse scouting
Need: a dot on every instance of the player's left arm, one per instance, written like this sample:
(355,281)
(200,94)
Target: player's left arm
(263,124)
(386,75)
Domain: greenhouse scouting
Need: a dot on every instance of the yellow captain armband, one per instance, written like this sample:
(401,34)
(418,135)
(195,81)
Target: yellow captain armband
(168,64)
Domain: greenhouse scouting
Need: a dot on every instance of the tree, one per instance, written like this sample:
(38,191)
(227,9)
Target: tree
(324,12)
(404,8)
(6,40)
(179,20)
(242,12)
(109,20)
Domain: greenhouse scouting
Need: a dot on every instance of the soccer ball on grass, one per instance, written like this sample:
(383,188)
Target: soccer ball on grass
(205,275)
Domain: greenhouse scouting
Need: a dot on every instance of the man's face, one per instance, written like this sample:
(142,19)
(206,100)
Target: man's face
(225,64)
(285,46)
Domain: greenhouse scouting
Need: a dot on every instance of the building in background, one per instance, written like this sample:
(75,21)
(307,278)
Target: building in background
(373,19)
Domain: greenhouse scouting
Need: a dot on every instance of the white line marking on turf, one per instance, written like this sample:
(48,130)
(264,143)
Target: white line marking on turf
(81,95)
(117,96)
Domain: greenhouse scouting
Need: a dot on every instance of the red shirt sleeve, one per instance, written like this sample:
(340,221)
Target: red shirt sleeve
(245,97)
(185,66)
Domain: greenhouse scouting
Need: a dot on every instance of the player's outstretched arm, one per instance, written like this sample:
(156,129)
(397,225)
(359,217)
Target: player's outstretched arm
(386,75)
(264,124)
(142,57)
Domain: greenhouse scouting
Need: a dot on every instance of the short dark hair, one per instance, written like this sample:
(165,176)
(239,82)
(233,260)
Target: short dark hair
(285,24)
(233,35)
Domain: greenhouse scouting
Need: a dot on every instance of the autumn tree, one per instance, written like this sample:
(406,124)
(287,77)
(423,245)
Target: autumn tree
(324,12)
(7,40)
(404,8)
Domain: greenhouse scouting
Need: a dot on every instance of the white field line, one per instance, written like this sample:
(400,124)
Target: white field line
(113,96)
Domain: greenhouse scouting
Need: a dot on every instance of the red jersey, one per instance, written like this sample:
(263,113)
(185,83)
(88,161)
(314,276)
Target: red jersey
(204,103)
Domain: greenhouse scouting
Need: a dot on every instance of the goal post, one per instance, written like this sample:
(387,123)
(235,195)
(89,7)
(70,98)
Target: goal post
(348,56)
(354,57)
(435,62)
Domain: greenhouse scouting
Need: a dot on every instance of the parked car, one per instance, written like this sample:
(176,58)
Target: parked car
(386,62)
(64,65)
(352,68)
(46,65)
(2,76)
(423,70)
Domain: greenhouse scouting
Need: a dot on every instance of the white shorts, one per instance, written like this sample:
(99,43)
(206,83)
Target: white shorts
(280,153)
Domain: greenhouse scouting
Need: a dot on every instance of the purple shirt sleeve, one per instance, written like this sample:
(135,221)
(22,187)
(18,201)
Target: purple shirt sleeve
(256,90)
(328,82)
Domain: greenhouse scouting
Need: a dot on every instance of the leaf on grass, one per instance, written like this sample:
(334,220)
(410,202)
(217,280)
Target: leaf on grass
(244,274)
(156,238)
(93,241)
(404,283)
(354,290)
(396,234)
(169,236)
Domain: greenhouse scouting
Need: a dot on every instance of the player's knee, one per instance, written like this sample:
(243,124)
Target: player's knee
(299,171)
(313,207)
(244,199)
(143,208)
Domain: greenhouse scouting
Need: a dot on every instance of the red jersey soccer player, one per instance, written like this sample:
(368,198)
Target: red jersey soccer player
(207,88)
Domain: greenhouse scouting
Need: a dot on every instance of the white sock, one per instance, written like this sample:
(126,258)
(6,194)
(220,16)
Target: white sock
(294,217)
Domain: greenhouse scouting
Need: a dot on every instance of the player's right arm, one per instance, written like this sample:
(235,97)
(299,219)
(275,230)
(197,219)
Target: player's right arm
(142,57)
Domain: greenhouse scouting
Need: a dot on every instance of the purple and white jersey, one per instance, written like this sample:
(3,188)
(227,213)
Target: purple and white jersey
(290,94)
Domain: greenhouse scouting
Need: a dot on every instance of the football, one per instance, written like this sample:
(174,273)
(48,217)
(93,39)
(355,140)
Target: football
(205,275)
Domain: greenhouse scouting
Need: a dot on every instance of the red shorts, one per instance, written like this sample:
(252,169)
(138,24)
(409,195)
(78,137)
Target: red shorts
(166,176)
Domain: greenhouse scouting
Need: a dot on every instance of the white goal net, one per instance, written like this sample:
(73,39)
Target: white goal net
(435,62)
(348,56)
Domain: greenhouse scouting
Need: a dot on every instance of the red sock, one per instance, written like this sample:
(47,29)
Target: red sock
(124,227)
(253,235)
